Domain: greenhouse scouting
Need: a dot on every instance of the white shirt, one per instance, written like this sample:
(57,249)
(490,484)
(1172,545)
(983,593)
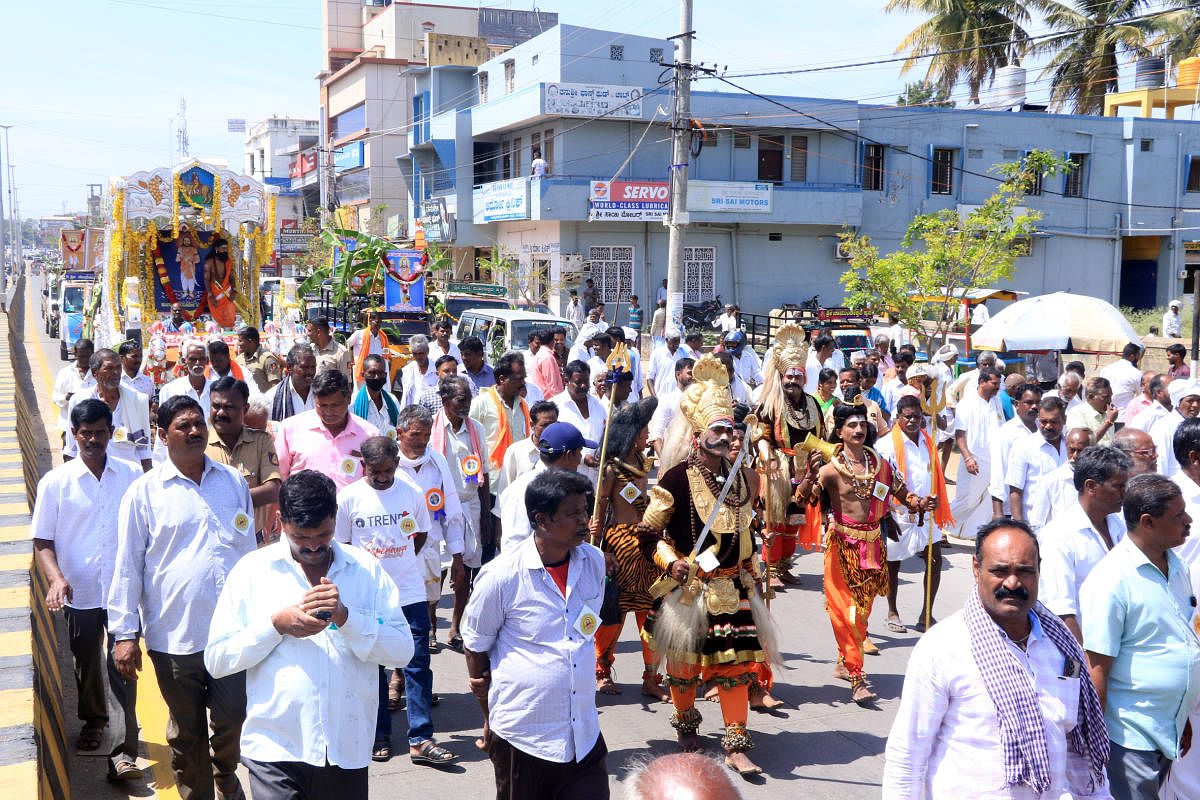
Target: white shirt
(661,295)
(661,368)
(145,384)
(945,741)
(747,366)
(176,544)
(1144,420)
(519,458)
(1163,434)
(413,381)
(980,314)
(587,329)
(1058,492)
(379,416)
(67,383)
(1070,547)
(664,414)
(726,322)
(79,514)
(458,447)
(542,698)
(430,472)
(1032,460)
(1003,443)
(1172,323)
(591,428)
(916,464)
(979,420)
(309,699)
(575,313)
(812,373)
(1074,401)
(1126,380)
(537,167)
(510,509)
(375,348)
(183,386)
(376,521)
(299,404)
(436,351)
(1189,551)
(130,446)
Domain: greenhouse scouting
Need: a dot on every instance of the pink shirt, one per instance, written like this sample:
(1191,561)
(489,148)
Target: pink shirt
(546,374)
(1136,406)
(303,442)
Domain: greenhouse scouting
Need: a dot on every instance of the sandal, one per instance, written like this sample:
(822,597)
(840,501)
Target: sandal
(431,754)
(455,643)
(381,750)
(896,627)
(433,642)
(89,738)
(395,691)
(124,768)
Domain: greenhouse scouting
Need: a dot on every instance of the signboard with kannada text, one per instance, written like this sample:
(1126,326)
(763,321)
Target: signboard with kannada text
(292,242)
(480,289)
(628,201)
(501,200)
(729,196)
(348,156)
(592,100)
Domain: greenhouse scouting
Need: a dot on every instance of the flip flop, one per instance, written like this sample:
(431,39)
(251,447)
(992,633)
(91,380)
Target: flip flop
(381,750)
(89,739)
(896,627)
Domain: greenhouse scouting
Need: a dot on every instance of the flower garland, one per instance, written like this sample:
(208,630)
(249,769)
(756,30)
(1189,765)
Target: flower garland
(116,254)
(213,216)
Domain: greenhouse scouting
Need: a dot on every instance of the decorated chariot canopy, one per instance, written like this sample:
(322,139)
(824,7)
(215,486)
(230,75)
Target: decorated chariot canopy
(195,234)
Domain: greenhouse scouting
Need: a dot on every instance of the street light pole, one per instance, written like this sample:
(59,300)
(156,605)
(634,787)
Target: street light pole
(17,263)
(680,139)
(4,262)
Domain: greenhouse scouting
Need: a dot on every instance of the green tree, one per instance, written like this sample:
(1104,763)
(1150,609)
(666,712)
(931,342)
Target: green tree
(971,40)
(945,255)
(924,93)
(1094,35)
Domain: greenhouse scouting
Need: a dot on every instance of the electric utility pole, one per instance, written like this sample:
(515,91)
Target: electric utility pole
(4,260)
(680,145)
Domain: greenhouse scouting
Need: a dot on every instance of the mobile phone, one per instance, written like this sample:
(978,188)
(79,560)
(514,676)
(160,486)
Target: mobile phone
(324,615)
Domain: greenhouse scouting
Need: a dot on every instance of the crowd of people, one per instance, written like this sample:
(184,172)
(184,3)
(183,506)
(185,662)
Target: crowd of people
(276,539)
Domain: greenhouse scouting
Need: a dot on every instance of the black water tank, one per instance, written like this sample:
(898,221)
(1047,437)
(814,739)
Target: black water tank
(1150,73)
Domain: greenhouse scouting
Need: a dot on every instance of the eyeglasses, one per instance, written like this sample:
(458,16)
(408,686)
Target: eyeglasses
(1150,452)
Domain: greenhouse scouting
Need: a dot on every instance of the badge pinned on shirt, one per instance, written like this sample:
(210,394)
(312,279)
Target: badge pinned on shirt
(587,622)
(408,525)
(390,433)
(436,503)
(881,491)
(348,466)
(630,493)
(471,468)
(120,435)
(241,522)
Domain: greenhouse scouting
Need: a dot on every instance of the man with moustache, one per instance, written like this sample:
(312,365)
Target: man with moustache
(528,638)
(261,366)
(293,394)
(1143,652)
(1035,457)
(1185,399)
(1139,447)
(130,409)
(132,376)
(249,451)
(327,438)
(1058,490)
(996,700)
(194,383)
(324,615)
(182,527)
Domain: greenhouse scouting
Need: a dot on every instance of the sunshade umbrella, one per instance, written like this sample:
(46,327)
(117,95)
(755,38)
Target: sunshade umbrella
(1058,321)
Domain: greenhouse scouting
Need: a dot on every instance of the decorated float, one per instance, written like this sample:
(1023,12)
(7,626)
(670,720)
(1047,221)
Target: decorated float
(196,235)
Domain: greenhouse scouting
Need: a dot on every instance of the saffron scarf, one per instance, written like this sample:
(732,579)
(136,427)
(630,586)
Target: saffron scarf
(504,437)
(362,405)
(364,350)
(235,369)
(941,515)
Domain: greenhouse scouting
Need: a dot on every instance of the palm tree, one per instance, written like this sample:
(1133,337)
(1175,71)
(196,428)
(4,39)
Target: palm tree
(1179,32)
(965,40)
(1095,33)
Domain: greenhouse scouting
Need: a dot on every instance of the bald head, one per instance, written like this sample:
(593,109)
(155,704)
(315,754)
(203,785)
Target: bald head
(683,776)
(1139,447)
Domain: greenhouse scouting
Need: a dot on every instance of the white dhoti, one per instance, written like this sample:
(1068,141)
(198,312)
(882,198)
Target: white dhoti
(972,504)
(472,547)
(431,570)
(913,538)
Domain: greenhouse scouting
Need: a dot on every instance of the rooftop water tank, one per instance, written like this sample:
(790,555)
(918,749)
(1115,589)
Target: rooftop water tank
(1150,73)
(1009,86)
(1188,73)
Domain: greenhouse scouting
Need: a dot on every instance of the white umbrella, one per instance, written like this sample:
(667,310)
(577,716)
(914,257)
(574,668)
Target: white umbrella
(1058,321)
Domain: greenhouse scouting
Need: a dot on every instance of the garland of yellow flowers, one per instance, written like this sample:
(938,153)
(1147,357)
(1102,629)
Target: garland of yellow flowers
(212,218)
(116,254)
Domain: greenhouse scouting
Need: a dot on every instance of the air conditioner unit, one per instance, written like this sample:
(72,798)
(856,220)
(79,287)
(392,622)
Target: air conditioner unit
(841,252)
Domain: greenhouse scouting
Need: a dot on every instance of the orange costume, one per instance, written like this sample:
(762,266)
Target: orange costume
(220,300)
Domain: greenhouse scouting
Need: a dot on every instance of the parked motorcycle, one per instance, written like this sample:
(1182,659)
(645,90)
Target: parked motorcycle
(702,315)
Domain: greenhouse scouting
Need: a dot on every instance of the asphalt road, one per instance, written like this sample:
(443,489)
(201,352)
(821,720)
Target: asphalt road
(819,745)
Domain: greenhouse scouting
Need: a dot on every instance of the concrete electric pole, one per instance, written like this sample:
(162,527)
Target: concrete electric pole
(680,155)
(4,261)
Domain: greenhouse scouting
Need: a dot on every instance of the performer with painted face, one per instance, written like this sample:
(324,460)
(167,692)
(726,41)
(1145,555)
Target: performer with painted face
(709,615)
(855,487)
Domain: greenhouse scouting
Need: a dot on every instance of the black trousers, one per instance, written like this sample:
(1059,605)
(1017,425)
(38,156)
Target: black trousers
(296,780)
(520,776)
(86,631)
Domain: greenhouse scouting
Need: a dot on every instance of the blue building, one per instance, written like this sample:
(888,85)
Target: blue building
(772,180)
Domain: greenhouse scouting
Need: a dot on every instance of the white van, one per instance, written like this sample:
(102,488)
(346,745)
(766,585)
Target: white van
(503,329)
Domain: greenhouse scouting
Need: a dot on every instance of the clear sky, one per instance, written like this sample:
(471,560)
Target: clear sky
(92,87)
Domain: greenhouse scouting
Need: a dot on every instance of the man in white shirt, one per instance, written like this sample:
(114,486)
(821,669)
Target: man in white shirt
(1124,376)
(183,525)
(71,379)
(820,356)
(1172,323)
(293,395)
(418,374)
(130,352)
(560,446)
(522,456)
(617,334)
(530,636)
(372,401)
(1185,397)
(727,322)
(595,323)
(693,345)
(977,418)
(1035,457)
(660,295)
(1158,407)
(660,373)
(368,341)
(130,409)
(1022,425)
(538,167)
(1077,538)
(1058,490)
(583,410)
(441,344)
(1003,663)
(74,530)
(325,615)
(1069,389)
(574,310)
(194,383)
(745,360)
(668,404)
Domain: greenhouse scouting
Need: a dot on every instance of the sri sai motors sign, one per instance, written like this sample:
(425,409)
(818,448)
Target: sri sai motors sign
(628,201)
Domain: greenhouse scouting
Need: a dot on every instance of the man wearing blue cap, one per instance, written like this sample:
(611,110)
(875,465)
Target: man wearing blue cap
(560,445)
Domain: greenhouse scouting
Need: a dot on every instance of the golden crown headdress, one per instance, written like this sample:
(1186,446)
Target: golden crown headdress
(791,348)
(708,398)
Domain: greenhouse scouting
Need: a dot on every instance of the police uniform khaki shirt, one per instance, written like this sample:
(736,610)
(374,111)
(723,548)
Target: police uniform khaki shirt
(253,454)
(334,355)
(263,367)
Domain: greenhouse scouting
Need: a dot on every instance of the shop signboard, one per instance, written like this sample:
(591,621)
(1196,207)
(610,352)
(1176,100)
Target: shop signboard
(729,196)
(628,201)
(501,200)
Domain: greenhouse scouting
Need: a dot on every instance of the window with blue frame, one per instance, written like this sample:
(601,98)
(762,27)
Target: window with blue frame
(1076,175)
(872,167)
(942,174)
(1193,174)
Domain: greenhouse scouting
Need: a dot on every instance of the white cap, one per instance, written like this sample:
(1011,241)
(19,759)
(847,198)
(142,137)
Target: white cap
(917,371)
(947,352)
(1173,304)
(1181,388)
(858,356)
